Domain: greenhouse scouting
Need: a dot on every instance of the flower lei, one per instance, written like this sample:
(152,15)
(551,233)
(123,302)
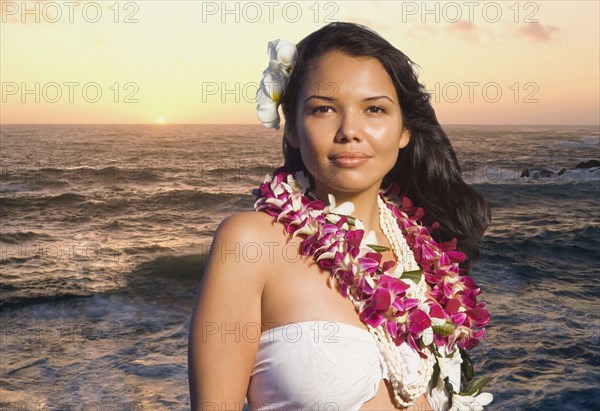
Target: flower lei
(449,319)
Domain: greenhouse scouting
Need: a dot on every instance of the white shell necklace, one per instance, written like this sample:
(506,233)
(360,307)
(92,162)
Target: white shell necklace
(405,394)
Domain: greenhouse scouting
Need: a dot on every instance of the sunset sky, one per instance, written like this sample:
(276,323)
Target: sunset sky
(200,62)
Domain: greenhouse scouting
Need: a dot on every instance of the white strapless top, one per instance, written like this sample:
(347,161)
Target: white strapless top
(319,365)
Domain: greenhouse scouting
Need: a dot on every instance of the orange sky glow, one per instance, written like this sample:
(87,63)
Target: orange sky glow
(193,62)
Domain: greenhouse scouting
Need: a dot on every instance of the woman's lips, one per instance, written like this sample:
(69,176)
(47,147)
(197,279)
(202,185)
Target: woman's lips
(349,159)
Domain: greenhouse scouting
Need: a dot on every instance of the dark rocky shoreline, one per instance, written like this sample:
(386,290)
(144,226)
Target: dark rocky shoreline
(544,172)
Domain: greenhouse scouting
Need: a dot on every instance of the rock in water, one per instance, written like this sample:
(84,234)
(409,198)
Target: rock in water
(588,164)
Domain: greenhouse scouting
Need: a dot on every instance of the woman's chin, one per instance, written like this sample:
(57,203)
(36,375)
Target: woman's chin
(348,186)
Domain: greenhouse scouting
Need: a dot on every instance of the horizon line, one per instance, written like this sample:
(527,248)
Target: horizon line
(254,124)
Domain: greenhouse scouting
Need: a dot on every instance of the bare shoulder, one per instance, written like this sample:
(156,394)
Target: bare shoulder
(250,226)
(249,240)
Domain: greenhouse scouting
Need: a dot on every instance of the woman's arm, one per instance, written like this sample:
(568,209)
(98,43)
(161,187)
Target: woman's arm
(226,321)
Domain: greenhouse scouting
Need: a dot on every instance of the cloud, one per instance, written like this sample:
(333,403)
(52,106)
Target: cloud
(539,32)
(464,26)
(465,29)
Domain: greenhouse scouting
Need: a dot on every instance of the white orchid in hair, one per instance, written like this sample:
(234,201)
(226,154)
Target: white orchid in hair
(282,57)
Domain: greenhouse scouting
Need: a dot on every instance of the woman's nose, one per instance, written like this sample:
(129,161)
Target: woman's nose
(350,128)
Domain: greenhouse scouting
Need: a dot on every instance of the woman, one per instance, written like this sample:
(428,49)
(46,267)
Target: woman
(300,308)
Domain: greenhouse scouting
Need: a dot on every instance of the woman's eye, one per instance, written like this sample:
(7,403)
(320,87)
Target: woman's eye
(376,109)
(321,109)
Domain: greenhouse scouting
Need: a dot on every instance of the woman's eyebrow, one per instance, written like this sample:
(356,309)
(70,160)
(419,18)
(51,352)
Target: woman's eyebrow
(377,98)
(317,97)
(326,98)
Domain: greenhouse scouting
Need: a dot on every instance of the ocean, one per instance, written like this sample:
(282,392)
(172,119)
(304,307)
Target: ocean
(105,230)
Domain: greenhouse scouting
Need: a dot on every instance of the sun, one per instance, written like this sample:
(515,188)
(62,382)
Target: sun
(160,120)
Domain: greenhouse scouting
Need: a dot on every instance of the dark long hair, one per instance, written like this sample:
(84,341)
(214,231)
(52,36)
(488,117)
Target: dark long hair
(427,169)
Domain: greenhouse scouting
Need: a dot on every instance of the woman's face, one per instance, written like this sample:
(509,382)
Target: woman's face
(349,124)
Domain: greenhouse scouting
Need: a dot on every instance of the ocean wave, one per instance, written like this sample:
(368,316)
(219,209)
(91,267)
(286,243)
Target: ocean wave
(14,188)
(54,177)
(546,254)
(198,199)
(144,249)
(240,171)
(159,206)
(15,260)
(537,174)
(584,142)
(114,225)
(586,235)
(26,201)
(176,268)
(176,276)
(139,175)
(23,236)
(165,278)
(51,278)
(20,298)
(138,202)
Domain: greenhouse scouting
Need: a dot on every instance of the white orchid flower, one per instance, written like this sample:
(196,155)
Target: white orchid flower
(450,367)
(398,270)
(427,336)
(303,181)
(470,403)
(412,290)
(370,238)
(327,254)
(308,229)
(346,208)
(298,183)
(282,57)
(267,100)
(334,211)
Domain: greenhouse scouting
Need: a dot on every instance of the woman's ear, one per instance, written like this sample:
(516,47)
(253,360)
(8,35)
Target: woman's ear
(291,138)
(404,138)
